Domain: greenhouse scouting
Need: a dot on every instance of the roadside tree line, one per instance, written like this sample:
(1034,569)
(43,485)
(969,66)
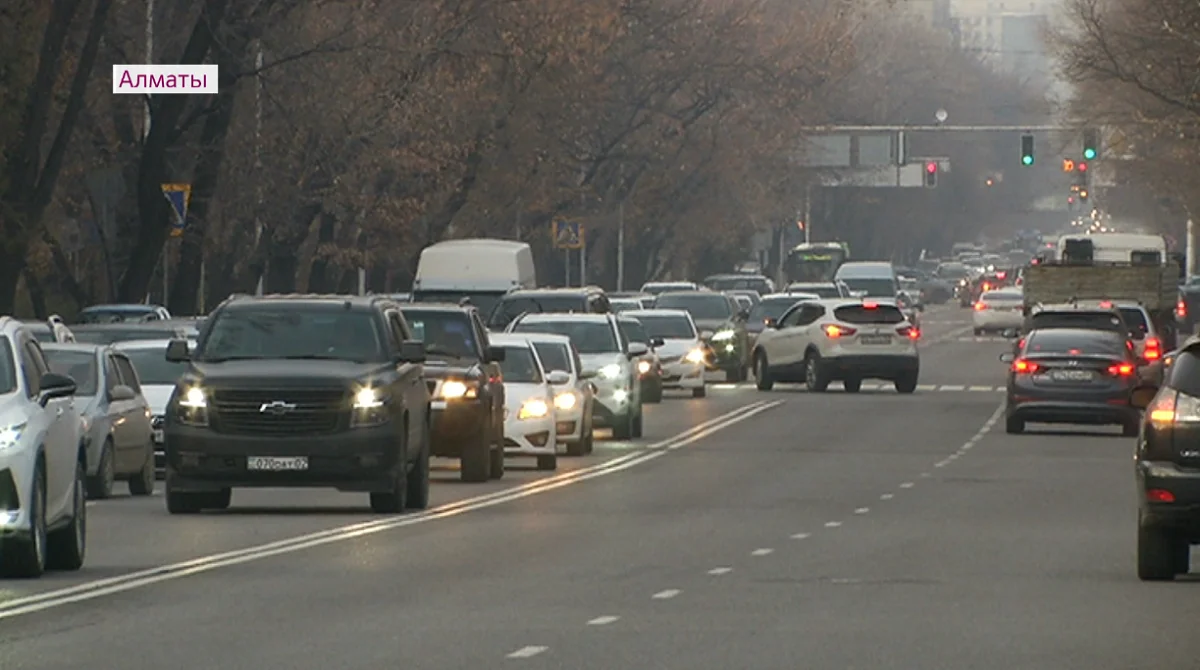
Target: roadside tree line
(352,133)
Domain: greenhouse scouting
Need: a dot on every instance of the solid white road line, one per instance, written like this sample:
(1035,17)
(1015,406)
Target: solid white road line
(142,578)
(527,652)
(603,620)
(666,595)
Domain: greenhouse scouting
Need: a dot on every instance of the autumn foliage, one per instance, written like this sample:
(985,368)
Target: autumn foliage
(351,134)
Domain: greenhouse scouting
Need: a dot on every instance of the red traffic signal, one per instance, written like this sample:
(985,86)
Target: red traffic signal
(931,167)
(1081,166)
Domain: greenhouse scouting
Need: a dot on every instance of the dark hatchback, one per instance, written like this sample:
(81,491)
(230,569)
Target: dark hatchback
(1167,466)
(1076,376)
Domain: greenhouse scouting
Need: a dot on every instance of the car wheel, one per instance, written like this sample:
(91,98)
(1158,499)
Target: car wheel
(1014,425)
(101,485)
(637,422)
(142,483)
(815,377)
(547,462)
(654,395)
(623,425)
(218,500)
(25,557)
(418,477)
(1157,554)
(762,373)
(496,458)
(589,428)
(182,502)
(907,382)
(852,385)
(393,501)
(700,391)
(475,463)
(66,547)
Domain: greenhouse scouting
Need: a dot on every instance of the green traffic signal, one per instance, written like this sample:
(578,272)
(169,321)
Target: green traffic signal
(1089,153)
(1026,160)
(1027,150)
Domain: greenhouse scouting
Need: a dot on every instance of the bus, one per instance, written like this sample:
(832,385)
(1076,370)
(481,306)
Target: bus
(815,261)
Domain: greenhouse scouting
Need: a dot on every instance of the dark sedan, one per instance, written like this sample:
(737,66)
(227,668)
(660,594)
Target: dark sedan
(1067,375)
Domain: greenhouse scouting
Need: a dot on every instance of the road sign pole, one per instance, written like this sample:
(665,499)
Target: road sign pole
(582,258)
(567,268)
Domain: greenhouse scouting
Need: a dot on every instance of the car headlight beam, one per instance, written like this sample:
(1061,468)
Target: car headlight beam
(566,401)
(723,335)
(611,371)
(368,398)
(695,356)
(454,389)
(535,408)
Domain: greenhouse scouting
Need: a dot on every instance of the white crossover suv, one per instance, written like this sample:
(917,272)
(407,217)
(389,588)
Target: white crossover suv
(609,361)
(843,339)
(530,423)
(43,465)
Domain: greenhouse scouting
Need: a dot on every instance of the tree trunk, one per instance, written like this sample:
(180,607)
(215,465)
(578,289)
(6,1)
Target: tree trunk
(319,279)
(11,266)
(37,296)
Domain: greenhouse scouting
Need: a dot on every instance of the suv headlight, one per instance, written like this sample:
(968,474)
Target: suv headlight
(453,389)
(610,371)
(370,408)
(723,335)
(643,367)
(695,356)
(11,436)
(535,408)
(192,407)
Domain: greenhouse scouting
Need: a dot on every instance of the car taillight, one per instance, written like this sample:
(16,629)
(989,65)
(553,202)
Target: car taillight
(911,332)
(1153,350)
(987,286)
(980,306)
(833,332)
(1105,304)
(1024,367)
(870,305)
(1171,406)
(1181,309)
(1121,370)
(1001,275)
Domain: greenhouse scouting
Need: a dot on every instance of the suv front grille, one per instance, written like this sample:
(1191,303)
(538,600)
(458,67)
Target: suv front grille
(247,412)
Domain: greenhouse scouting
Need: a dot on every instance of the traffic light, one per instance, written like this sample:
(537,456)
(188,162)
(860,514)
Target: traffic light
(1081,166)
(1068,165)
(1083,195)
(1091,143)
(931,174)
(1027,150)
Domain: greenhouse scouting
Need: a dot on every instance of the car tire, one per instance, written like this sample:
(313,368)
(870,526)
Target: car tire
(1014,425)
(496,465)
(637,422)
(852,385)
(654,395)
(395,500)
(67,546)
(548,462)
(142,482)
(418,477)
(1157,552)
(736,375)
(623,426)
(978,332)
(907,382)
(183,502)
(816,379)
(25,557)
(589,428)
(218,500)
(700,392)
(762,373)
(475,463)
(101,485)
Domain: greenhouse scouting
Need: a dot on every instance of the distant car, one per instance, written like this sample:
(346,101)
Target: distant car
(123,313)
(53,329)
(574,400)
(529,418)
(158,378)
(1071,375)
(656,287)
(822,290)
(649,367)
(998,311)
(772,306)
(111,333)
(681,353)
(722,324)
(624,304)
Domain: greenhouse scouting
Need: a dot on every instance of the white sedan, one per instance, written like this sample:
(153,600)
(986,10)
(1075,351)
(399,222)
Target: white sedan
(682,352)
(574,400)
(529,418)
(999,310)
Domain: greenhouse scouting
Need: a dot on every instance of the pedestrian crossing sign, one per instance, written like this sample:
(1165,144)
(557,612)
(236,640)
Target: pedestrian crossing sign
(179,196)
(568,235)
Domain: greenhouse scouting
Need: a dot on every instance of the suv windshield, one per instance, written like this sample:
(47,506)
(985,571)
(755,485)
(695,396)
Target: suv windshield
(513,306)
(634,331)
(873,288)
(8,368)
(702,306)
(445,333)
(153,368)
(1075,342)
(554,356)
(78,365)
(589,337)
(274,331)
(519,366)
(668,327)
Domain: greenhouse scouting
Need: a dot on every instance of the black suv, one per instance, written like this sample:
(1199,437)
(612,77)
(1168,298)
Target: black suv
(304,391)
(463,376)
(586,300)
(1167,463)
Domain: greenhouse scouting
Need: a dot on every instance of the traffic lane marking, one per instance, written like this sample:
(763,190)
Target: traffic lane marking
(143,578)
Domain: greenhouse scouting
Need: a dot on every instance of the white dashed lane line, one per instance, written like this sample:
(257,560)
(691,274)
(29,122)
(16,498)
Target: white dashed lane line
(887,496)
(799,536)
(527,652)
(862,510)
(885,387)
(603,620)
(761,552)
(666,595)
(720,571)
(832,524)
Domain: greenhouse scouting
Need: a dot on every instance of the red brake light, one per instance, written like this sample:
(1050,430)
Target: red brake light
(1121,370)
(910,332)
(1001,275)
(1181,309)
(980,306)
(833,332)
(1160,496)
(1105,304)
(1024,367)
(870,305)
(1153,350)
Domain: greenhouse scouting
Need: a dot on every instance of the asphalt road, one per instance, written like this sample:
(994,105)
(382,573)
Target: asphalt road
(747,530)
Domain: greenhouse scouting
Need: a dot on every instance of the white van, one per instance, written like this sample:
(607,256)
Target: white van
(869,279)
(1113,248)
(480,270)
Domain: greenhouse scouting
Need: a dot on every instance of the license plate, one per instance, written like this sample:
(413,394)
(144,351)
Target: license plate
(875,339)
(158,437)
(274,464)
(1071,375)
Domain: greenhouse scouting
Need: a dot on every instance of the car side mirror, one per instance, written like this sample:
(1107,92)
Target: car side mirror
(657,342)
(54,386)
(177,351)
(1009,333)
(558,378)
(121,392)
(770,323)
(1142,396)
(411,351)
(495,354)
(1007,357)
(638,349)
